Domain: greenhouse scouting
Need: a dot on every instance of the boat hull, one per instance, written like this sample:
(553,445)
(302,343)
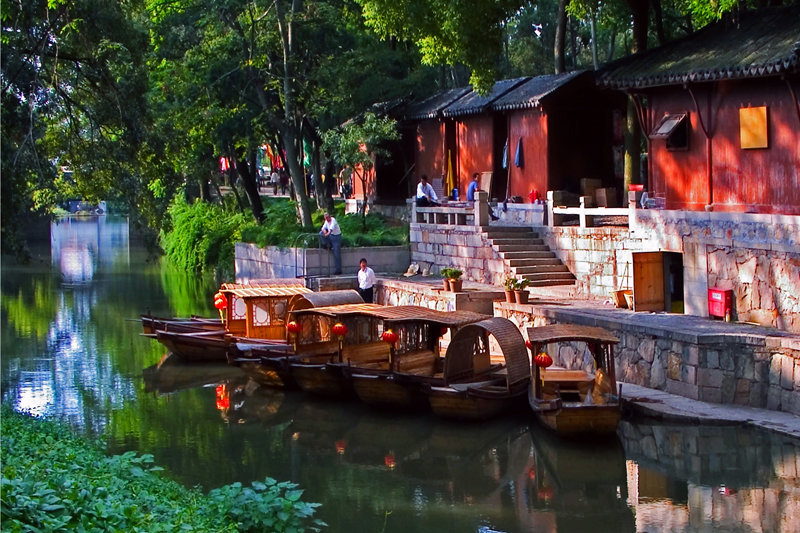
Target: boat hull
(387,392)
(322,379)
(197,348)
(270,374)
(465,405)
(570,419)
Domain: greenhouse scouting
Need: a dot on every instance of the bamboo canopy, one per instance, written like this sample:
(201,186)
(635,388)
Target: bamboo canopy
(569,332)
(465,346)
(324,299)
(266,291)
(273,282)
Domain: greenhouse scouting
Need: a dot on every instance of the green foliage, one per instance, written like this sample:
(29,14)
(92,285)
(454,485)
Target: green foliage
(451,273)
(282,229)
(203,236)
(54,481)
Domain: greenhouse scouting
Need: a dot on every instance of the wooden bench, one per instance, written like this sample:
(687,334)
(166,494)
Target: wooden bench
(560,382)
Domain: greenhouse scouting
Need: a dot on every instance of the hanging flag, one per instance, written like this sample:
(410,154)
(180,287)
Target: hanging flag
(306,152)
(518,160)
(223,164)
(450,182)
(505,154)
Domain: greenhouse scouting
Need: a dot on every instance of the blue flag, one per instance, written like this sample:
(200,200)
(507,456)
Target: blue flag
(518,160)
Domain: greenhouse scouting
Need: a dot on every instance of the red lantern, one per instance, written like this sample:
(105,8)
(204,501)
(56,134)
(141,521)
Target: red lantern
(443,331)
(220,302)
(543,360)
(341,446)
(528,345)
(293,327)
(546,493)
(223,399)
(388,460)
(339,329)
(389,336)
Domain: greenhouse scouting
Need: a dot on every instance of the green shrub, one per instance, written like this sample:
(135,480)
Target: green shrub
(53,480)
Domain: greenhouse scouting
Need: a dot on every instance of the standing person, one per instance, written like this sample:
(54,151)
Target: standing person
(366,281)
(330,237)
(275,179)
(426,196)
(284,181)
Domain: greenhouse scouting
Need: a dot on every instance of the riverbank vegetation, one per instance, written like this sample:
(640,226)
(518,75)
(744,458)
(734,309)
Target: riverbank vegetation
(202,236)
(53,480)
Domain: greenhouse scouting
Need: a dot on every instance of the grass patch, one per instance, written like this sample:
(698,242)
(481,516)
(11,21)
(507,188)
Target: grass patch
(53,480)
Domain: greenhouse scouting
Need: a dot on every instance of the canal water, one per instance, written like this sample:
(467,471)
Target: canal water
(71,349)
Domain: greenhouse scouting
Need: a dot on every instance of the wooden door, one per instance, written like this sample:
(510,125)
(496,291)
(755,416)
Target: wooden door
(648,281)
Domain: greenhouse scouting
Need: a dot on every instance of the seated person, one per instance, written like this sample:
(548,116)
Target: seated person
(472,188)
(426,196)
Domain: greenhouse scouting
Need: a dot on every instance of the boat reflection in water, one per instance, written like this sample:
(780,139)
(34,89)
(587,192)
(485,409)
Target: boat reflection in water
(369,467)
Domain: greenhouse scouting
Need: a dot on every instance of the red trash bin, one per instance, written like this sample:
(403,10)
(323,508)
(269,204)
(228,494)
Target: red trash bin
(720,302)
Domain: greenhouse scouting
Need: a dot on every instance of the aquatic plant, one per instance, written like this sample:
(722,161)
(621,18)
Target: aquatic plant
(53,480)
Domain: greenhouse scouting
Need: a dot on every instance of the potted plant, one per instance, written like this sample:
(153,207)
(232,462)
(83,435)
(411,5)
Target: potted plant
(454,278)
(445,272)
(520,291)
(509,285)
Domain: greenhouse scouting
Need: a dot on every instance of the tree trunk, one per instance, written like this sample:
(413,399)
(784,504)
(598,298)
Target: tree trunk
(633,133)
(593,28)
(291,134)
(561,37)
(249,173)
(658,19)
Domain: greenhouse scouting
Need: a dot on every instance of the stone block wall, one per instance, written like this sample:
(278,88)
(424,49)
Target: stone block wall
(463,247)
(739,369)
(253,262)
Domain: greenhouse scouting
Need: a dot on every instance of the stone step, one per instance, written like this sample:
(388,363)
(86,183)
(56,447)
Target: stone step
(549,276)
(491,230)
(511,235)
(521,242)
(526,262)
(538,269)
(528,254)
(551,282)
(522,248)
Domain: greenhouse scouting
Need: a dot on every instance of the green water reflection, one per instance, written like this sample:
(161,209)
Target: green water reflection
(70,349)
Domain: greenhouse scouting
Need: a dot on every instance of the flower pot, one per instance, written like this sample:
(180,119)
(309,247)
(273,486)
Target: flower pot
(510,297)
(446,284)
(455,284)
(521,297)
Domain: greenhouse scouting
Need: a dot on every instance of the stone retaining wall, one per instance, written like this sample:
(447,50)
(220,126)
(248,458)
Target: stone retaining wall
(741,369)
(253,262)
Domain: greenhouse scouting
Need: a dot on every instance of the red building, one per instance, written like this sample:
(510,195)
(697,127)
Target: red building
(721,114)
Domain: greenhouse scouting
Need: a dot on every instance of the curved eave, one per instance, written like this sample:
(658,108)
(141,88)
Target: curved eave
(784,66)
(517,106)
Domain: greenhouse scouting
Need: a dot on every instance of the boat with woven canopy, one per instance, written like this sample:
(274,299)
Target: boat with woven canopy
(569,400)
(334,342)
(255,313)
(473,387)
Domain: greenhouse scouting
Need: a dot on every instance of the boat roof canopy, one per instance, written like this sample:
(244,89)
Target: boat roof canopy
(267,291)
(570,332)
(460,351)
(398,313)
(325,299)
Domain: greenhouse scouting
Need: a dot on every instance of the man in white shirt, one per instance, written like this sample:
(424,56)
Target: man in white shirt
(366,281)
(426,196)
(330,237)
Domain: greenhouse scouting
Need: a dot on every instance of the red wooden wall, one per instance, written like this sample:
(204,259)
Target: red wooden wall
(531,126)
(765,180)
(475,141)
(429,153)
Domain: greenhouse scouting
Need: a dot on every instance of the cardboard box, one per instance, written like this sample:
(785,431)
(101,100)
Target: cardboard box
(606,197)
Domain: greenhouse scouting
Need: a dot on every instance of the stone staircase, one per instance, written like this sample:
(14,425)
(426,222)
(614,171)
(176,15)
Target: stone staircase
(527,256)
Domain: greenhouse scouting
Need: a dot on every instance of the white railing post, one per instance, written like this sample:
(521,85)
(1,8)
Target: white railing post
(550,219)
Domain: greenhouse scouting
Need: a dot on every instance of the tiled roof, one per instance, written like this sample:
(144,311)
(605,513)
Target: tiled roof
(764,43)
(530,93)
(474,103)
(432,106)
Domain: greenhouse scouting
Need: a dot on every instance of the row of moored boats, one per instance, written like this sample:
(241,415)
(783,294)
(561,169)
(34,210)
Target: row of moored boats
(333,344)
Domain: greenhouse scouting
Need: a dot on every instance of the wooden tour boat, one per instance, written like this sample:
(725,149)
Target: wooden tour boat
(324,361)
(268,364)
(151,324)
(570,401)
(254,313)
(473,388)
